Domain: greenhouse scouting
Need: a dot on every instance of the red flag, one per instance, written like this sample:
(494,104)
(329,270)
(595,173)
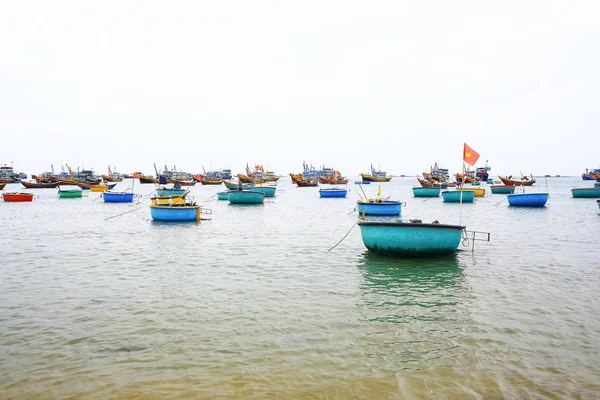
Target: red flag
(469,155)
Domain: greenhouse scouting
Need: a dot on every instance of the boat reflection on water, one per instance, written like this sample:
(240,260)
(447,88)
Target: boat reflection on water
(415,310)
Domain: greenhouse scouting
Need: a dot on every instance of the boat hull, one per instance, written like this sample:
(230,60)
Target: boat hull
(502,189)
(426,192)
(589,193)
(36,185)
(223,195)
(175,213)
(453,196)
(385,207)
(479,192)
(17,197)
(371,178)
(245,197)
(110,197)
(528,199)
(333,192)
(70,194)
(398,238)
(268,191)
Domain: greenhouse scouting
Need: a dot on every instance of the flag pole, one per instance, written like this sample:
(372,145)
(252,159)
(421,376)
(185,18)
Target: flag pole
(462,187)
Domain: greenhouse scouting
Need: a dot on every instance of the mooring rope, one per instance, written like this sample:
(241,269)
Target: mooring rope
(345,235)
(126,212)
(500,201)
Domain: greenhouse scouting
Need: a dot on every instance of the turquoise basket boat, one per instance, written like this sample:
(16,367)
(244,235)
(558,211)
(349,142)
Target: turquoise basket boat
(588,193)
(169,192)
(245,197)
(269,191)
(332,192)
(410,239)
(382,207)
(426,192)
(502,189)
(528,199)
(452,196)
(117,197)
(223,195)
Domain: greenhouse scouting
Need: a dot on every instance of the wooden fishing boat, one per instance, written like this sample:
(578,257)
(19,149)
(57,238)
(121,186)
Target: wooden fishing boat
(17,197)
(236,185)
(70,193)
(502,189)
(246,179)
(528,199)
(426,191)
(2,185)
(376,176)
(410,239)
(112,176)
(333,192)
(268,190)
(174,209)
(432,184)
(591,174)
(295,177)
(589,193)
(147,179)
(479,192)
(453,196)
(307,182)
(185,182)
(524,181)
(211,181)
(245,197)
(35,185)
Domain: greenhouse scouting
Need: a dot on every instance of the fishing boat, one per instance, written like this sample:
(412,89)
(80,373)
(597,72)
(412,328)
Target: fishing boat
(236,185)
(524,181)
(307,182)
(113,176)
(268,190)
(586,193)
(502,189)
(2,185)
(482,173)
(70,192)
(591,174)
(17,197)
(174,209)
(146,179)
(8,175)
(206,180)
(432,184)
(35,185)
(479,192)
(410,239)
(436,174)
(528,199)
(332,192)
(376,176)
(245,197)
(426,191)
(454,196)
(223,195)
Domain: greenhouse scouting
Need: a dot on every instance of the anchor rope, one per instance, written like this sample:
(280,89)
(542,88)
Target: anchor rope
(126,212)
(345,235)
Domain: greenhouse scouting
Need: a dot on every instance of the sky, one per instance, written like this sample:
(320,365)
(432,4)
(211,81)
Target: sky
(218,84)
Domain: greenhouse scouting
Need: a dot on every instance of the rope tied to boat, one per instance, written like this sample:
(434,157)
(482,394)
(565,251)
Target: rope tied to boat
(357,221)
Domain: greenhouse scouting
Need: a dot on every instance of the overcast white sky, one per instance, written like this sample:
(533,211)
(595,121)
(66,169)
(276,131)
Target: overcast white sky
(342,83)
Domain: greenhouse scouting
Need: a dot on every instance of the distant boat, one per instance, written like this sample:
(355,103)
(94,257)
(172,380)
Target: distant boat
(524,181)
(17,197)
(113,176)
(333,192)
(245,197)
(2,185)
(376,176)
(479,192)
(586,192)
(453,196)
(412,239)
(35,185)
(528,199)
(426,191)
(307,182)
(432,184)
(502,189)
(591,175)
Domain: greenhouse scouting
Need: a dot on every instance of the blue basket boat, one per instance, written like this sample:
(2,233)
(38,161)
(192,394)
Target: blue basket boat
(379,207)
(426,192)
(269,191)
(174,209)
(453,196)
(528,199)
(589,193)
(117,197)
(333,192)
(410,239)
(245,197)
